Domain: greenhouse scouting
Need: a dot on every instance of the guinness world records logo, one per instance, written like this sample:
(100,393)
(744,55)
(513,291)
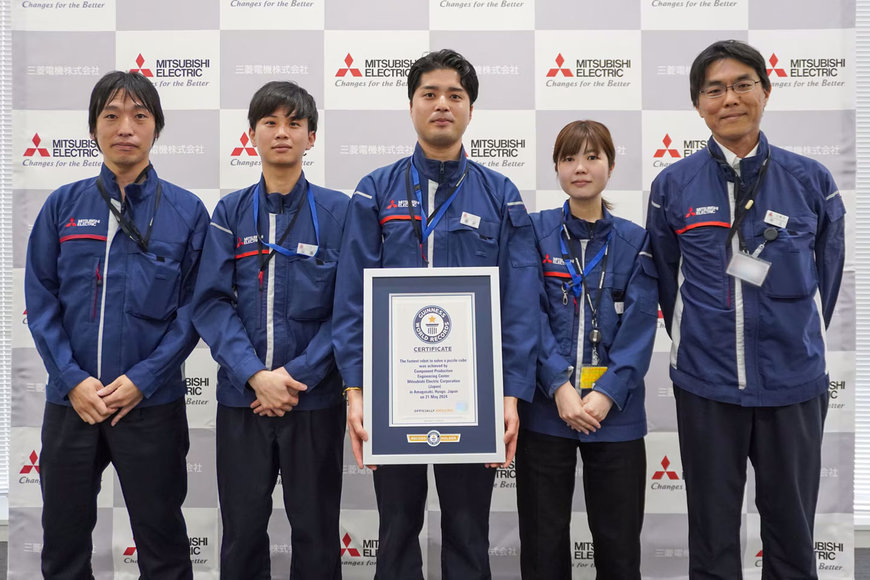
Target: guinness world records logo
(432,324)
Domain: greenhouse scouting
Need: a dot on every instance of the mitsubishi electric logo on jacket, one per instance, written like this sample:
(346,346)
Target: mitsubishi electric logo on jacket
(82,223)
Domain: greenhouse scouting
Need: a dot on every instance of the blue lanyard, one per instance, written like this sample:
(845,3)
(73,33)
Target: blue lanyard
(573,264)
(429,224)
(276,247)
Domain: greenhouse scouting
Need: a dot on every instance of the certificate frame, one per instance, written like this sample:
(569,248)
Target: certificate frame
(404,422)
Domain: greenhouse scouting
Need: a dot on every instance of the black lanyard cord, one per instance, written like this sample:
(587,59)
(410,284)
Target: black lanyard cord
(128,226)
(595,309)
(742,204)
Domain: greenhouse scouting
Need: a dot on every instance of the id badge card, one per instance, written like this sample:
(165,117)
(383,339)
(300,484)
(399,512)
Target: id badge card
(588,376)
(748,268)
(306,249)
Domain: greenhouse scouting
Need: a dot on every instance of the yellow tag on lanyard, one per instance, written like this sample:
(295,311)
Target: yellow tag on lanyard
(588,376)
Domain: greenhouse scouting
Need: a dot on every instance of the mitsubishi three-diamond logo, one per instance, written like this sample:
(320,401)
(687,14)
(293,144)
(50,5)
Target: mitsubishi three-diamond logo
(31,151)
(560,60)
(145,72)
(773,60)
(33,465)
(245,148)
(665,464)
(355,72)
(350,551)
(667,148)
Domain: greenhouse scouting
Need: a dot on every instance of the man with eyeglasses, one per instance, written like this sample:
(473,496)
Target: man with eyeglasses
(748,241)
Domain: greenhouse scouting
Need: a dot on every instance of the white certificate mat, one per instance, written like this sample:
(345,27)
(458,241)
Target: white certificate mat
(432,360)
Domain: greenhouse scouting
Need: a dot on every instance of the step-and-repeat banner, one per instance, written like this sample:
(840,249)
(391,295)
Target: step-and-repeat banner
(541,64)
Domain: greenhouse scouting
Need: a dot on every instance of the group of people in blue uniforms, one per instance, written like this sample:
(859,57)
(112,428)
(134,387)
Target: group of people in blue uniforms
(743,250)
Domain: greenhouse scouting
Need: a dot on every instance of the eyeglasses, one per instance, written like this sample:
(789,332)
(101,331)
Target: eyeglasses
(720,90)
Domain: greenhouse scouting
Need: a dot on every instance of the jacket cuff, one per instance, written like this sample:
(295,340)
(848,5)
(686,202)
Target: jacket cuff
(518,389)
(614,388)
(70,379)
(353,376)
(300,372)
(143,379)
(245,371)
(558,380)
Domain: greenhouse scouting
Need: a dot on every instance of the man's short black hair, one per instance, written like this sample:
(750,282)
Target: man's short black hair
(136,86)
(444,59)
(276,95)
(739,51)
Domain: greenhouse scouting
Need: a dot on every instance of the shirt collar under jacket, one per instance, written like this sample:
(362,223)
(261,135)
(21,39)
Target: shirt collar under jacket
(134,191)
(747,168)
(583,230)
(438,171)
(731,157)
(276,202)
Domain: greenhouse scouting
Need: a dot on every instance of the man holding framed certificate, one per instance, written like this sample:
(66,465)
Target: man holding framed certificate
(438,209)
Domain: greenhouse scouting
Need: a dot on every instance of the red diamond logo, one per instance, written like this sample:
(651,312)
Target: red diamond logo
(145,72)
(30,151)
(244,148)
(33,457)
(354,72)
(773,60)
(665,464)
(351,551)
(667,149)
(555,71)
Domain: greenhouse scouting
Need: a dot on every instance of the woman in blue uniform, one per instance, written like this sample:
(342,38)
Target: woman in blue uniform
(598,320)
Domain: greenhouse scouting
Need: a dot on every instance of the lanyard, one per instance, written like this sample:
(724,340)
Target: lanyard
(128,226)
(428,224)
(744,203)
(579,276)
(278,247)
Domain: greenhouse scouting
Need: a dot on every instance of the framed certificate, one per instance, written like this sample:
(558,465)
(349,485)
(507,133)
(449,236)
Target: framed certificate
(432,382)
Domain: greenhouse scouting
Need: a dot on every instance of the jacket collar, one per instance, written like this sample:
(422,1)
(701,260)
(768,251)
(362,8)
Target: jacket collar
(438,171)
(134,191)
(279,202)
(584,230)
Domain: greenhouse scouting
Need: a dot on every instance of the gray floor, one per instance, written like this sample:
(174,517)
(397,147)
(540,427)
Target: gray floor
(862,562)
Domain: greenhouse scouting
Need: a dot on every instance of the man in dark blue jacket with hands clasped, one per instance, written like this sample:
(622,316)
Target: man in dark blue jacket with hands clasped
(264,306)
(111,267)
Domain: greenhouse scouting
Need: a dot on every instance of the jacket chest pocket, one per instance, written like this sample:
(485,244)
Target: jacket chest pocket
(312,286)
(474,246)
(153,285)
(791,255)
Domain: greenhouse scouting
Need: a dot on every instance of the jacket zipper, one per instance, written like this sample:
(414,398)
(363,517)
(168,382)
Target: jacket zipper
(98,282)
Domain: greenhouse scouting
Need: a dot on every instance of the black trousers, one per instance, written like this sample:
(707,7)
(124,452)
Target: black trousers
(464,493)
(784,445)
(614,475)
(148,449)
(306,447)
